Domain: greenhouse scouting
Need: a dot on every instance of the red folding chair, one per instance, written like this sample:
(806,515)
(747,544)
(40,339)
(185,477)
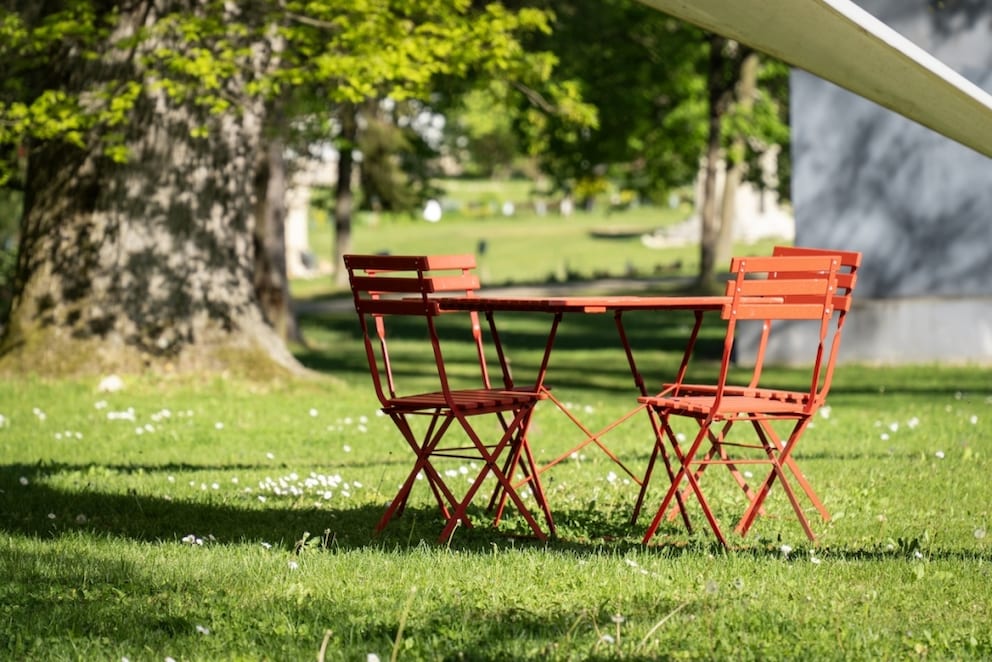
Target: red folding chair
(397,290)
(794,286)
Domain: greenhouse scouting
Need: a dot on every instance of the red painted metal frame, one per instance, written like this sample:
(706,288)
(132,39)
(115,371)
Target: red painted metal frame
(795,283)
(382,287)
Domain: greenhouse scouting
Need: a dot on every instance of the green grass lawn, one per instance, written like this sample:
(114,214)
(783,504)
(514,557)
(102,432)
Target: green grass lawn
(230,520)
(220,519)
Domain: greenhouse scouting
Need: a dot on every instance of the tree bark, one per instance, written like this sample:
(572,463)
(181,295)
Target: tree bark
(145,265)
(735,163)
(271,275)
(344,197)
(710,221)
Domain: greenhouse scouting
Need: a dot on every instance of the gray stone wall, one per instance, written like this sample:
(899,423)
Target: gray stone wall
(916,204)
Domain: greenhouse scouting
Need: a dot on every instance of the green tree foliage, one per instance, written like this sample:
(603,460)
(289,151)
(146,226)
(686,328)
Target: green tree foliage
(141,124)
(648,76)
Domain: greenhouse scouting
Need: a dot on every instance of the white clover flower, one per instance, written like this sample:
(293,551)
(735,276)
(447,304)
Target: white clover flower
(270,456)
(785,549)
(611,477)
(894,427)
(980,533)
(23,480)
(218,425)
(939,455)
(607,639)
(202,629)
(825,411)
(39,413)
(913,423)
(313,412)
(973,420)
(293,565)
(4,421)
(371,657)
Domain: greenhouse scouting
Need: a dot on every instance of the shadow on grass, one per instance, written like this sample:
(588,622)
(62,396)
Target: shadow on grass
(42,511)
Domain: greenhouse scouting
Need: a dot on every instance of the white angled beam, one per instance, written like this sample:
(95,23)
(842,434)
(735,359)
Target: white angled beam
(840,42)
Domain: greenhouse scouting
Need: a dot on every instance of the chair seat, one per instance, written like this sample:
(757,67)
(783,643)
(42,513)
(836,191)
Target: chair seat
(768,402)
(467,400)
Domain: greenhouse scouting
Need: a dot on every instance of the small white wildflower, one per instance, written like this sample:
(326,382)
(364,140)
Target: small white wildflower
(267,545)
(100,404)
(979,533)
(51,515)
(313,412)
(23,480)
(815,560)
(202,629)
(293,565)
(271,456)
(825,411)
(973,420)
(611,477)
(918,554)
(884,436)
(607,639)
(4,421)
(785,549)
(617,618)
(80,519)
(912,423)
(894,427)
(346,448)
(939,455)
(632,563)
(371,657)
(39,413)
(362,428)
(218,425)
(261,498)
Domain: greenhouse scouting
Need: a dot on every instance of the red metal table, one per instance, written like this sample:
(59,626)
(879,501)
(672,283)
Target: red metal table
(618,305)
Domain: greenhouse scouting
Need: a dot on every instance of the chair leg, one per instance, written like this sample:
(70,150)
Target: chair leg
(662,430)
(442,494)
(779,454)
(685,473)
(490,465)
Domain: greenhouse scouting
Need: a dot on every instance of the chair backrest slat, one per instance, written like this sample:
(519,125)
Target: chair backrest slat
(388,285)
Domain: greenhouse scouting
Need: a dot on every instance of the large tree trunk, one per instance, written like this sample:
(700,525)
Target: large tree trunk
(144,265)
(735,163)
(271,276)
(343,195)
(710,220)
